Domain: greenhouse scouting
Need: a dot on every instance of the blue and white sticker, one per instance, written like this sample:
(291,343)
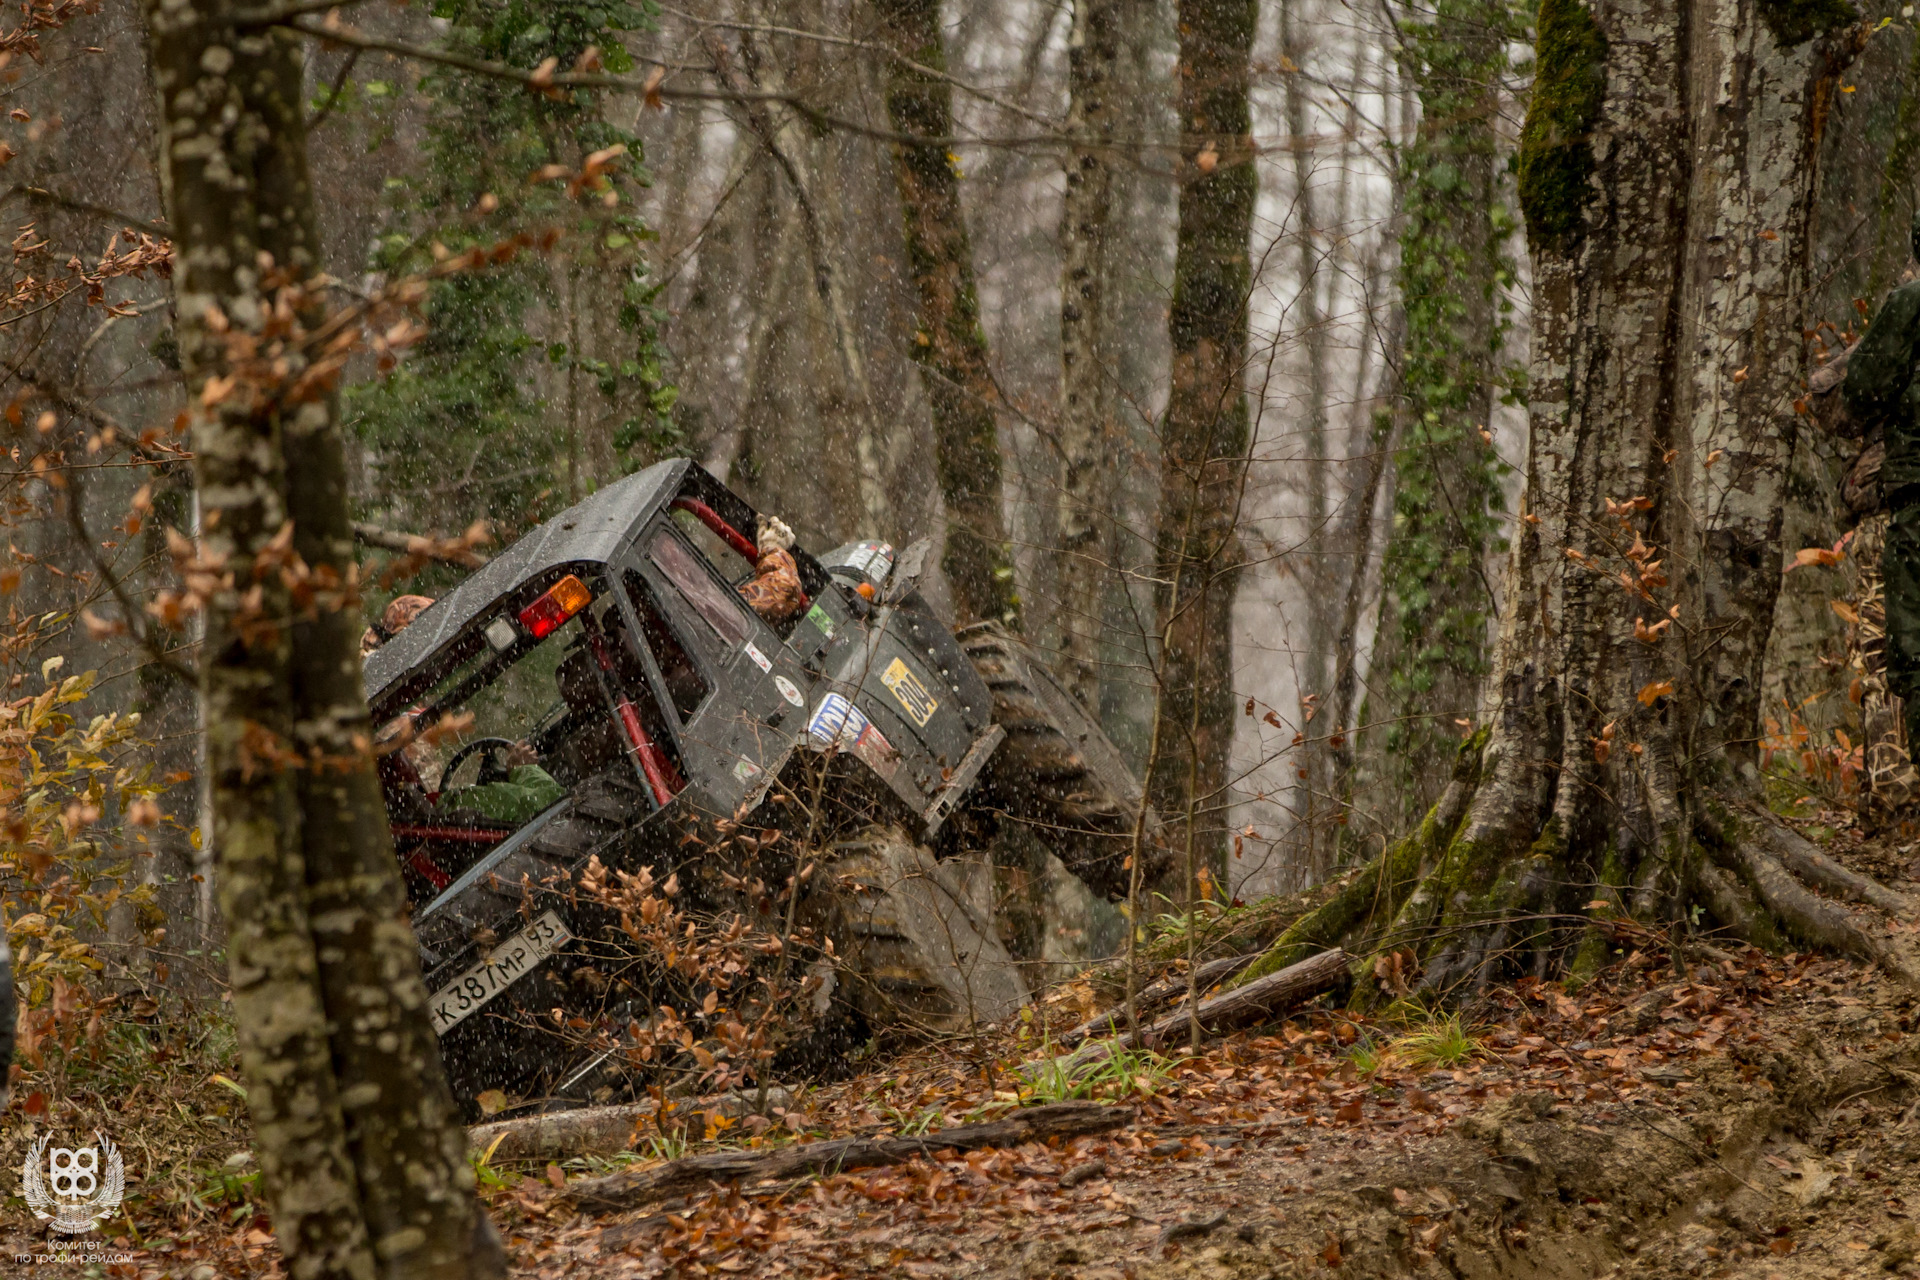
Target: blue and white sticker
(788,691)
(759,659)
(837,723)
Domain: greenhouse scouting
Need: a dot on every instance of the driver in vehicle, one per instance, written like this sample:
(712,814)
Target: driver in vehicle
(774,592)
(520,795)
(523,795)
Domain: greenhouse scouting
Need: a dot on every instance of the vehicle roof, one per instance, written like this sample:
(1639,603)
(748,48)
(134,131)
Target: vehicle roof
(592,530)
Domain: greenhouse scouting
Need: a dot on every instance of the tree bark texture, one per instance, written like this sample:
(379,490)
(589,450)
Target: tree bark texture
(1666,173)
(357,1133)
(1203,448)
(792,150)
(949,344)
(1316,788)
(1089,387)
(1432,648)
(211,147)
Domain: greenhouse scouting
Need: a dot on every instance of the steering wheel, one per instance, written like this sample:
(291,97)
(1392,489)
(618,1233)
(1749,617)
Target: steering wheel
(491,768)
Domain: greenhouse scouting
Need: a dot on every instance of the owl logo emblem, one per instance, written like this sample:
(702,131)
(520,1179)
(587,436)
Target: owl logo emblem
(73,1188)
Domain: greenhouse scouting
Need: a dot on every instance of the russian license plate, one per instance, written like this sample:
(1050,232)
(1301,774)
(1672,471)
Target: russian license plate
(508,962)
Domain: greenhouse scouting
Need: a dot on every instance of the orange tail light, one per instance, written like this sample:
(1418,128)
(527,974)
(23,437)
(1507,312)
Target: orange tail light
(561,601)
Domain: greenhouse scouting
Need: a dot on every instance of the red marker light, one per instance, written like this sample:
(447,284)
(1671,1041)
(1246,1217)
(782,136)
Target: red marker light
(564,599)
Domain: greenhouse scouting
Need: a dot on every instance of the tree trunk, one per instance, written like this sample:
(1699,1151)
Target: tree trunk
(356,1130)
(1203,445)
(1310,566)
(1089,389)
(1430,654)
(1667,179)
(791,149)
(949,345)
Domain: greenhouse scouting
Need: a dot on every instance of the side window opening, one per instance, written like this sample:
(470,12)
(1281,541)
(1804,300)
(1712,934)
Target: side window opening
(514,722)
(724,612)
(719,543)
(685,685)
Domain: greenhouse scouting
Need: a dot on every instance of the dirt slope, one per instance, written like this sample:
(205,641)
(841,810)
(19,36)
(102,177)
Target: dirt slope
(1751,1121)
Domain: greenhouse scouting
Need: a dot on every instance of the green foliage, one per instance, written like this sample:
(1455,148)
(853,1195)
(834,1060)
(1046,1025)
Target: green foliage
(1442,1042)
(1556,153)
(1367,1055)
(77,800)
(1121,1071)
(458,431)
(1446,474)
(230,1190)
(915,1124)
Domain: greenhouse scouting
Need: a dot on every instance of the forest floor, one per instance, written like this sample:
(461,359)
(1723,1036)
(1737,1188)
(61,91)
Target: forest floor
(1745,1116)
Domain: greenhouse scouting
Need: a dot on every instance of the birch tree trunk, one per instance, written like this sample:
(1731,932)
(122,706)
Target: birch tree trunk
(949,345)
(1667,173)
(1203,458)
(356,1130)
(1089,391)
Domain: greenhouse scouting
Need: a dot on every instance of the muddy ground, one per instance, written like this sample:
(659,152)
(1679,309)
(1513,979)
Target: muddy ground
(1753,1120)
(1740,1115)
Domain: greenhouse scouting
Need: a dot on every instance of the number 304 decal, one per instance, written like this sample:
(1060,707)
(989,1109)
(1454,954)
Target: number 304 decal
(909,692)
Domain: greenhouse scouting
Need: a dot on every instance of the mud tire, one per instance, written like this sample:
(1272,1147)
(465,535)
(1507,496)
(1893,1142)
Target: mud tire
(913,951)
(1057,771)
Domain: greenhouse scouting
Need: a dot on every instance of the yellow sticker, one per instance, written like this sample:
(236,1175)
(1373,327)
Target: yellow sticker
(909,692)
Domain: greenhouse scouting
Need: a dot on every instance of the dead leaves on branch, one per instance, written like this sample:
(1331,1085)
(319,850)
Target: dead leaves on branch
(129,254)
(38,17)
(1823,557)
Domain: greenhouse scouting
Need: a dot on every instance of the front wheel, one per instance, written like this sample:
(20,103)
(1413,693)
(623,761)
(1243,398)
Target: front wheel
(1057,771)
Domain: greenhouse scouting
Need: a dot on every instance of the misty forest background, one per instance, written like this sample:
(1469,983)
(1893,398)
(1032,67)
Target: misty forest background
(755,296)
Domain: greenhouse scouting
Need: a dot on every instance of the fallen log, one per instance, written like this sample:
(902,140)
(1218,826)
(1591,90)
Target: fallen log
(641,1186)
(603,1131)
(1260,999)
(1159,996)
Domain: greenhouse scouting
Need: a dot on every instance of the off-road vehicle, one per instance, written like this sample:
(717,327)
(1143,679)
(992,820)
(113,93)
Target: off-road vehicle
(604,691)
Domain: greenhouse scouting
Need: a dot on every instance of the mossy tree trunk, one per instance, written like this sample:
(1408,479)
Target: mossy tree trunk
(1667,175)
(1432,646)
(949,344)
(1089,376)
(357,1134)
(1204,438)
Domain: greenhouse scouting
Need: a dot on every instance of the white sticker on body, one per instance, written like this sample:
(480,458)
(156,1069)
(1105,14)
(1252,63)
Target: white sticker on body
(759,659)
(788,691)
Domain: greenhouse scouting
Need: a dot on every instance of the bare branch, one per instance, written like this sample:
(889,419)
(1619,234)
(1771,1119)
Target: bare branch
(414,544)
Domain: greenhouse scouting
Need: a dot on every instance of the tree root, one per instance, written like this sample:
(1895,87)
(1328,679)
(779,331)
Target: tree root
(1802,857)
(1751,842)
(1733,904)
(1384,887)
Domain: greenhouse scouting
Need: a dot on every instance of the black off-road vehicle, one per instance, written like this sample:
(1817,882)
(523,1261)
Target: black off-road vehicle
(615,697)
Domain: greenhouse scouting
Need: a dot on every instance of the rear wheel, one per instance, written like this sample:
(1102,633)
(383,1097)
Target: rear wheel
(1057,771)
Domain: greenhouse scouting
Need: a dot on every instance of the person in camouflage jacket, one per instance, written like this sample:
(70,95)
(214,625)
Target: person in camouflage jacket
(1881,390)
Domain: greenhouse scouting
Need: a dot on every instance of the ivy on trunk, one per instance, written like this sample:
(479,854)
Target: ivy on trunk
(949,344)
(1204,439)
